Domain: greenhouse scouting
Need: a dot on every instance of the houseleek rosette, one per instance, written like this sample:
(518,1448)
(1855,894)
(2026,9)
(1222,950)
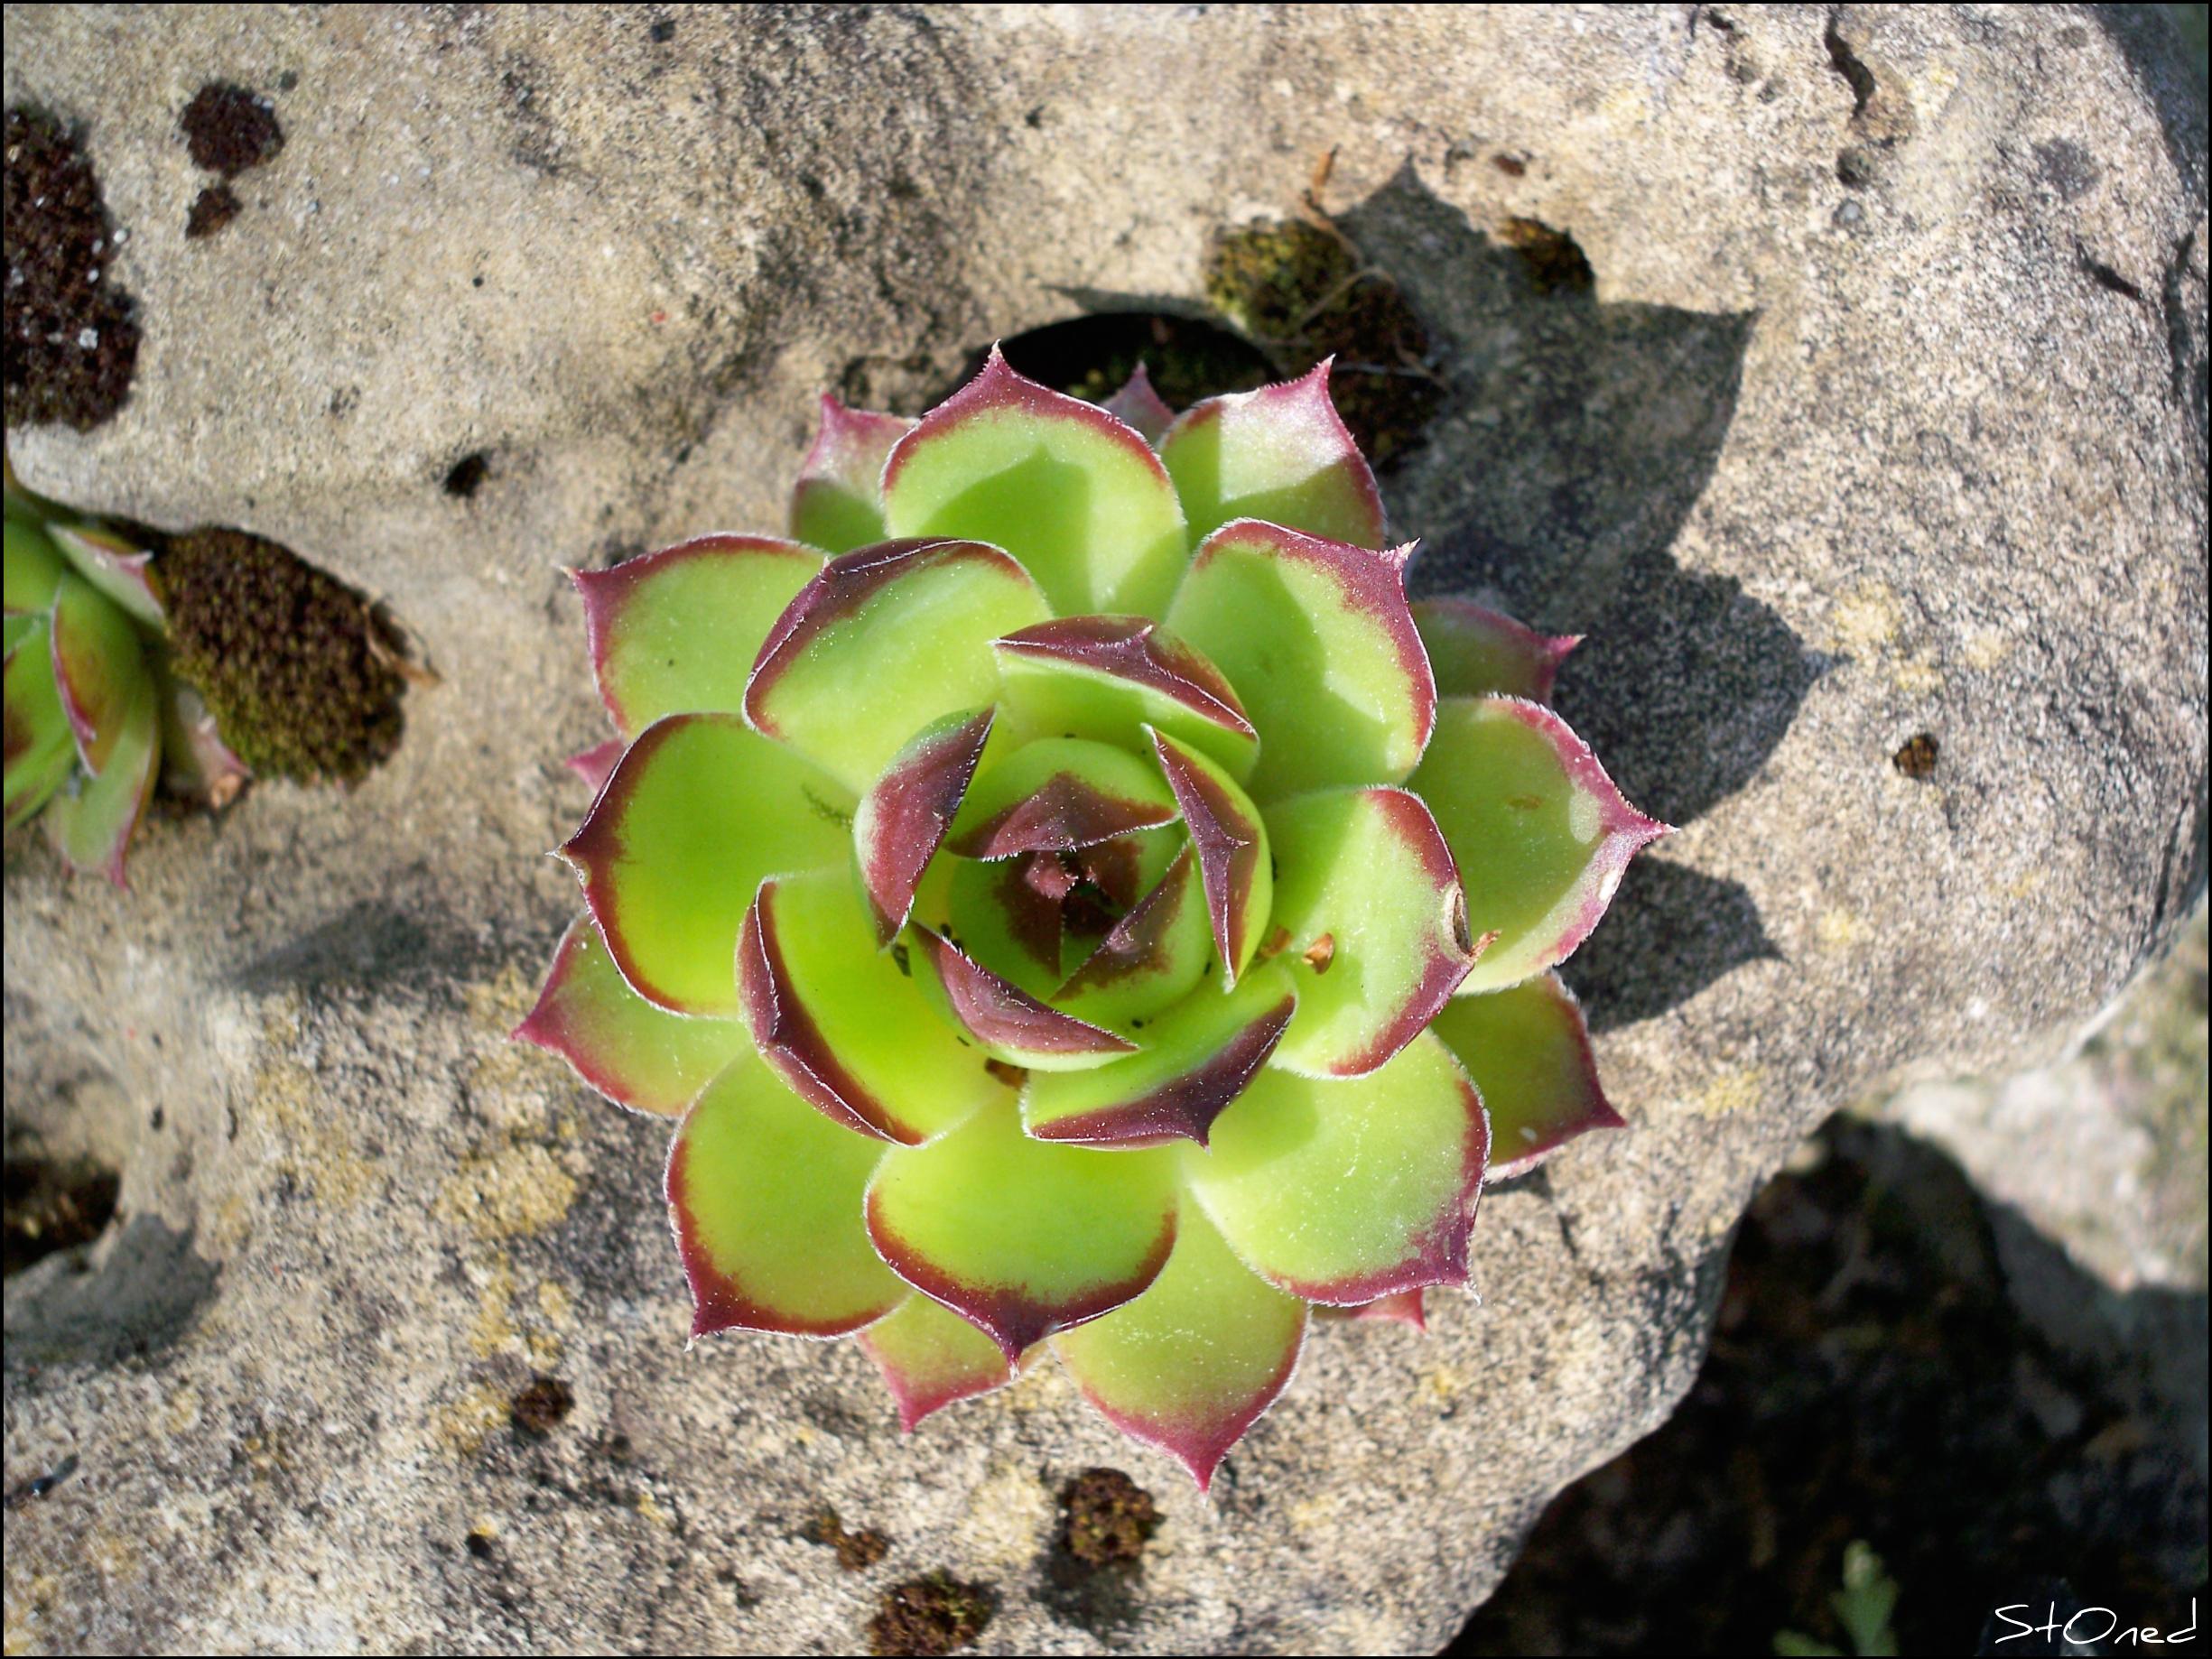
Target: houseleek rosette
(94,716)
(1070,896)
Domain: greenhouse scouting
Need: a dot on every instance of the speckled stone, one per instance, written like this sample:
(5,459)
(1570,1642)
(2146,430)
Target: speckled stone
(1811,484)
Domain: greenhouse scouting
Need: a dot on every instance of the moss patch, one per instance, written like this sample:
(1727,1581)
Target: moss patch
(1302,292)
(1106,1517)
(72,332)
(229,129)
(935,1614)
(300,675)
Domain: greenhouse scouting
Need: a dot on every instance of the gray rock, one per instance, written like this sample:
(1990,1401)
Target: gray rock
(1813,482)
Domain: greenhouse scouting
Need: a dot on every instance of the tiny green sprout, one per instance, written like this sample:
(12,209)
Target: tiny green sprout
(1072,899)
(1863,1607)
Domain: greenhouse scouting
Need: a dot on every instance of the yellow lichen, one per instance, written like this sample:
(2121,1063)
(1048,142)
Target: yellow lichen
(1731,1093)
(508,1192)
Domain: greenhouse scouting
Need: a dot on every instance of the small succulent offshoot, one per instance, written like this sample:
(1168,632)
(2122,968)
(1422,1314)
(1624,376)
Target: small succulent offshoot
(1069,898)
(95,716)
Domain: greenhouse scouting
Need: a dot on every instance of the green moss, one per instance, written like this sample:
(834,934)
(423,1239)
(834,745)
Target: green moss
(1302,292)
(292,662)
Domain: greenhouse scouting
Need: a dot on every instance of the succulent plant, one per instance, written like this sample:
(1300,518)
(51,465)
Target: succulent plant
(95,718)
(1070,897)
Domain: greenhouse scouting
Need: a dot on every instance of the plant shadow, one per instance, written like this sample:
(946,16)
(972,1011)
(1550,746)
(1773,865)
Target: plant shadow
(1577,436)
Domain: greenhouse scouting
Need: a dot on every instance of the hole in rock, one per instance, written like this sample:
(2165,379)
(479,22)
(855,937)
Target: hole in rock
(54,1204)
(466,475)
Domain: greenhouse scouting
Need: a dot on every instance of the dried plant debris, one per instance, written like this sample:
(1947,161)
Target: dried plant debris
(230,129)
(1301,290)
(1106,1517)
(856,1550)
(211,209)
(301,675)
(72,335)
(935,1614)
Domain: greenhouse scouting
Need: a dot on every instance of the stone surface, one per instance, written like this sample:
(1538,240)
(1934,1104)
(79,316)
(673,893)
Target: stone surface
(1818,466)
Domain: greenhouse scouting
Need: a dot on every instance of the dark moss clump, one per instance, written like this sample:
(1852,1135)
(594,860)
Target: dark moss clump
(856,1550)
(1302,293)
(541,1405)
(300,675)
(229,129)
(931,1615)
(72,339)
(1106,1517)
(211,209)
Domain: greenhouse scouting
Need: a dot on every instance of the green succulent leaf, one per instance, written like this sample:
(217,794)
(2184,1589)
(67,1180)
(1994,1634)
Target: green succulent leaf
(1137,405)
(838,501)
(92,824)
(1102,677)
(1059,794)
(1151,957)
(1073,492)
(115,564)
(1369,917)
(1280,454)
(844,1023)
(1529,1052)
(765,1251)
(1316,638)
(99,668)
(882,642)
(697,812)
(1193,1363)
(1018,1236)
(930,1357)
(1232,841)
(1197,1058)
(1344,1190)
(1539,832)
(675,632)
(1476,652)
(33,568)
(1007,1023)
(40,747)
(638,1055)
(902,818)
(196,763)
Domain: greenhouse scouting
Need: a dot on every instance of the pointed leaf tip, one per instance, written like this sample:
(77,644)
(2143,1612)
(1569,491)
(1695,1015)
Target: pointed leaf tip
(1191,1364)
(1069,490)
(675,632)
(931,1357)
(1280,454)
(1475,651)
(762,1251)
(1540,833)
(1018,1236)
(902,818)
(1528,1052)
(1011,1024)
(1232,842)
(1140,406)
(837,503)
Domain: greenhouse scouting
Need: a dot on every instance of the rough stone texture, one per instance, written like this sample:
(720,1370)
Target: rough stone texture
(1817,465)
(2093,1171)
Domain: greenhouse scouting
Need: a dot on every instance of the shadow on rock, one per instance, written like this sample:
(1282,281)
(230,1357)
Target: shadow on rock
(1671,931)
(1577,437)
(129,1295)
